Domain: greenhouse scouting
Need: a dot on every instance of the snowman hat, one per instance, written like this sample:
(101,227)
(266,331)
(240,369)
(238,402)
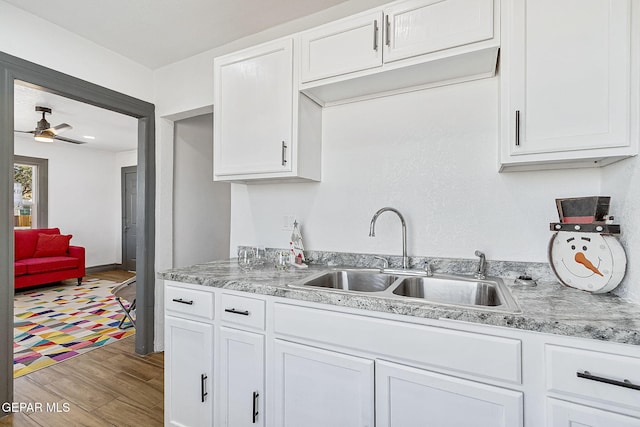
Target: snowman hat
(584,214)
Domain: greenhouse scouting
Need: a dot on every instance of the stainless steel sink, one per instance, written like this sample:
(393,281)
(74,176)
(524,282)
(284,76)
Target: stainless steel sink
(489,293)
(450,291)
(352,280)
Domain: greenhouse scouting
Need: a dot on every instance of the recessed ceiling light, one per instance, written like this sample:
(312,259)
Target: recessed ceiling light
(89,137)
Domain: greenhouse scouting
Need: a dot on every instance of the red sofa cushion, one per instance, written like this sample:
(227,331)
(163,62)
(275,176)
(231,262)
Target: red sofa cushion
(49,245)
(19,268)
(25,241)
(45,265)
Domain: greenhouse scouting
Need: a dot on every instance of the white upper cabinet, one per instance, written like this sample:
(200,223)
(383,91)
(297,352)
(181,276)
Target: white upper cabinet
(402,46)
(256,117)
(349,45)
(418,27)
(569,98)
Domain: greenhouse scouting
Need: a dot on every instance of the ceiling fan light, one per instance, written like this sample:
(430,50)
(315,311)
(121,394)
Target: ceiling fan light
(44,136)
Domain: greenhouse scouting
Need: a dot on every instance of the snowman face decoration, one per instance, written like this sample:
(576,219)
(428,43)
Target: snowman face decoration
(588,261)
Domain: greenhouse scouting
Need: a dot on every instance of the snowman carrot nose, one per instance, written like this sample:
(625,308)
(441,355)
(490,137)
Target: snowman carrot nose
(581,259)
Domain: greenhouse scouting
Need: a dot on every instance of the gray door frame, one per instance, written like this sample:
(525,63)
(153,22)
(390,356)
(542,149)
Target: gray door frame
(13,68)
(123,172)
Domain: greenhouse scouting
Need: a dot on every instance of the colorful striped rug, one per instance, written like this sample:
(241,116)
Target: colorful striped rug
(56,323)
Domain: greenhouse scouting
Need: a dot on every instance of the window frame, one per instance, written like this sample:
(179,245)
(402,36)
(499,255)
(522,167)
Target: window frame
(42,188)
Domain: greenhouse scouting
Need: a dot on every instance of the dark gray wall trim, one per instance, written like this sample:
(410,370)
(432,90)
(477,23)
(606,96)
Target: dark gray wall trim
(13,68)
(6,236)
(104,267)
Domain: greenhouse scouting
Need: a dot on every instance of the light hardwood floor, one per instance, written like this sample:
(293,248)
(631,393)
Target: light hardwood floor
(109,386)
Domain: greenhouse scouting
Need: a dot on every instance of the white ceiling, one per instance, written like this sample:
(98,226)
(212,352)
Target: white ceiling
(151,32)
(112,131)
(159,32)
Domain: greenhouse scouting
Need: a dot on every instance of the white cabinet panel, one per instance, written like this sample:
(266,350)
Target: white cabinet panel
(565,363)
(565,414)
(188,367)
(341,47)
(417,27)
(253,110)
(320,388)
(567,88)
(408,397)
(241,382)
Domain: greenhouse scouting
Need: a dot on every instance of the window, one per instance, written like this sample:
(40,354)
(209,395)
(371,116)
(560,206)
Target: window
(30,192)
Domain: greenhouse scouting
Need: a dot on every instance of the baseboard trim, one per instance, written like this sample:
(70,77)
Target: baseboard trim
(106,267)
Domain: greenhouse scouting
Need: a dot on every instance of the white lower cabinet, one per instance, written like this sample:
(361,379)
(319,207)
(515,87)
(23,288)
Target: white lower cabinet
(237,359)
(321,388)
(411,397)
(566,414)
(240,378)
(188,365)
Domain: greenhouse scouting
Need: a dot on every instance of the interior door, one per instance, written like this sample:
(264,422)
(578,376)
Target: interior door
(129,213)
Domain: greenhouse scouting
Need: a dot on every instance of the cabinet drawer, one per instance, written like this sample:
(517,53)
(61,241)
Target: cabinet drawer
(471,354)
(189,301)
(565,363)
(242,311)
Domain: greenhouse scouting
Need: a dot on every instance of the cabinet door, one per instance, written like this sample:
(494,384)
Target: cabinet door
(320,388)
(407,397)
(565,414)
(342,47)
(566,76)
(254,84)
(241,392)
(188,371)
(417,27)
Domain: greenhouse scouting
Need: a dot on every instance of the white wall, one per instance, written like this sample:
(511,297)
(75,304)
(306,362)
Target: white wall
(83,199)
(432,155)
(201,207)
(31,38)
(621,182)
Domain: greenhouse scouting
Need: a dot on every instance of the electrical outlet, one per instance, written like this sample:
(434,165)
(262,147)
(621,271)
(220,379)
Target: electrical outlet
(287,222)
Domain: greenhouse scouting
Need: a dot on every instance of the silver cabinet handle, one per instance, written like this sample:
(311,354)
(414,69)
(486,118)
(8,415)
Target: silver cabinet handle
(387,32)
(203,387)
(255,406)
(625,383)
(517,128)
(181,301)
(375,35)
(284,153)
(234,311)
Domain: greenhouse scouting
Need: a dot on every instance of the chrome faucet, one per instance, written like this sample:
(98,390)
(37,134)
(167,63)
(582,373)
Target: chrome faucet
(481,266)
(372,232)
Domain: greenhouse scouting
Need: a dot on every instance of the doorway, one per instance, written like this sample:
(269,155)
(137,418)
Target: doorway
(12,69)
(129,213)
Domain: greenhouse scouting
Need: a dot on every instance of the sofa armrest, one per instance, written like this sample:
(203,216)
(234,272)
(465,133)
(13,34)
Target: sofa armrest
(78,252)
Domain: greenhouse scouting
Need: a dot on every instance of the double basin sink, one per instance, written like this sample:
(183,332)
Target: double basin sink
(488,293)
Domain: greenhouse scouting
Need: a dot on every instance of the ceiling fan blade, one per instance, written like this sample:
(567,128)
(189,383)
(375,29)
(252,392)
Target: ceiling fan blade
(73,141)
(25,131)
(62,127)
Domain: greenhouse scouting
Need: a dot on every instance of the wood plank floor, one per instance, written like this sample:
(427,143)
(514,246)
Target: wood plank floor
(109,386)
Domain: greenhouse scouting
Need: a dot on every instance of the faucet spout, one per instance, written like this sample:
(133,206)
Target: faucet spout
(372,232)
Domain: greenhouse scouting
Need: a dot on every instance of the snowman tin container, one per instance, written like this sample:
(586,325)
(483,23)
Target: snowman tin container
(584,252)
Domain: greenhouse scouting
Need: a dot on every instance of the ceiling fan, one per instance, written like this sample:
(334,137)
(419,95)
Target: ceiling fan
(45,133)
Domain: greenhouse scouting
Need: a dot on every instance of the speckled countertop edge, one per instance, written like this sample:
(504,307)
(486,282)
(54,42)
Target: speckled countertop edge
(548,307)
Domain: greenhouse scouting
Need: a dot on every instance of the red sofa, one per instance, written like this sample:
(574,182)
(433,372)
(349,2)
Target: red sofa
(42,256)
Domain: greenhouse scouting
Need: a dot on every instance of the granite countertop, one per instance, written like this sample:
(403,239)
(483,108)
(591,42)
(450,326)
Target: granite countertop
(549,307)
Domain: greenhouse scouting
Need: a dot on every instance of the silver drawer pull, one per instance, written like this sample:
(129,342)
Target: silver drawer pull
(234,311)
(181,301)
(625,383)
